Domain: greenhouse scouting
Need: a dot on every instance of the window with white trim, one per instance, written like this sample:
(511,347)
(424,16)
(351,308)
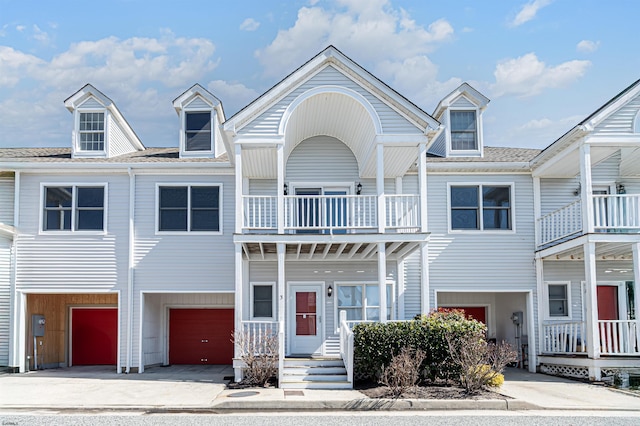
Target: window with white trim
(189,208)
(464,131)
(74,208)
(198,135)
(481,207)
(558,299)
(91,131)
(262,300)
(361,302)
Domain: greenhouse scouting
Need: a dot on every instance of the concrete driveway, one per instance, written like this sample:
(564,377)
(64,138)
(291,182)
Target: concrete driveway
(96,386)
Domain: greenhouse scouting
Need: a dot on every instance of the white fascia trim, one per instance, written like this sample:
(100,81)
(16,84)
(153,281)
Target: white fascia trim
(259,140)
(558,149)
(86,167)
(417,237)
(401,139)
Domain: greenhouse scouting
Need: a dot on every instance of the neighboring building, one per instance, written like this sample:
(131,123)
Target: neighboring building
(331,199)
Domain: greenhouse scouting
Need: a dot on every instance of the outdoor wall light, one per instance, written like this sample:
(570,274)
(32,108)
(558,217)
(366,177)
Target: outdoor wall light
(329,291)
(620,189)
(358,188)
(286,189)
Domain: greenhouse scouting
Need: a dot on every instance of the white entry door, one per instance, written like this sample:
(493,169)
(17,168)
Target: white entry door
(305,319)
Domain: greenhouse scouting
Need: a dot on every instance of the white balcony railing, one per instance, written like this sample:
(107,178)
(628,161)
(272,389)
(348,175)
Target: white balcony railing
(331,213)
(616,212)
(346,345)
(619,337)
(560,223)
(256,333)
(564,338)
(403,211)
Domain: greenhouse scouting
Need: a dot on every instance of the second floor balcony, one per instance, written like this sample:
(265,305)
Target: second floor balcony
(610,213)
(331,214)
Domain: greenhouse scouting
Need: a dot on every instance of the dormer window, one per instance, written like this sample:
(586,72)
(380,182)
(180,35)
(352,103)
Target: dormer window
(464,133)
(91,131)
(198,136)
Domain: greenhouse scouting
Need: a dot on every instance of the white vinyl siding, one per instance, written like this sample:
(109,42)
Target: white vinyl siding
(321,158)
(621,121)
(268,122)
(118,143)
(6,200)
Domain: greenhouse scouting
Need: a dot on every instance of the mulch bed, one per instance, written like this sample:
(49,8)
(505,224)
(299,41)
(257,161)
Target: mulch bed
(373,390)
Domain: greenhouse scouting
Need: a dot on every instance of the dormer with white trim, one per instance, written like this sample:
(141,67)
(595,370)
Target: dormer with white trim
(99,129)
(461,113)
(200,115)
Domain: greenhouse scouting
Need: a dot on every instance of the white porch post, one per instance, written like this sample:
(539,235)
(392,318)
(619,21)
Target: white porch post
(382,211)
(537,211)
(239,190)
(593,338)
(586,188)
(539,294)
(424,278)
(636,286)
(280,187)
(382,280)
(422,185)
(238,304)
(281,309)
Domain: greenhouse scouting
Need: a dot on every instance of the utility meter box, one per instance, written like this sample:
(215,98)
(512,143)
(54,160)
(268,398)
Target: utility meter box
(517,318)
(37,325)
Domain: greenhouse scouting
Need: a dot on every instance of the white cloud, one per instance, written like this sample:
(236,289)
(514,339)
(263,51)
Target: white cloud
(528,12)
(233,95)
(587,46)
(527,75)
(374,30)
(249,24)
(141,75)
(21,28)
(40,35)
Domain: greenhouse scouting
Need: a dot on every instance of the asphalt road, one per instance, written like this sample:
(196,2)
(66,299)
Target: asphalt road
(466,418)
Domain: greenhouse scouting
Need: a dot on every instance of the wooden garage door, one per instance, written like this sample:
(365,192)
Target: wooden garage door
(94,336)
(200,336)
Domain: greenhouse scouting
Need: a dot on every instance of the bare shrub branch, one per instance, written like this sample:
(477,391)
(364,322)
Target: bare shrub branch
(403,372)
(260,355)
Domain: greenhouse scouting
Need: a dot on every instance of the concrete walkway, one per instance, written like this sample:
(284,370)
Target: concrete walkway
(202,388)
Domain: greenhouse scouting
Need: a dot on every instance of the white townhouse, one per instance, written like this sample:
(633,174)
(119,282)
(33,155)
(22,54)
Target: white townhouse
(329,200)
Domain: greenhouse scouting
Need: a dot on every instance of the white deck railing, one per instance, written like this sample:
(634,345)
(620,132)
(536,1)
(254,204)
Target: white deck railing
(257,331)
(564,337)
(560,223)
(619,337)
(346,346)
(616,212)
(403,211)
(331,213)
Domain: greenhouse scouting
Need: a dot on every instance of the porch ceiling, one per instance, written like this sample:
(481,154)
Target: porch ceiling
(604,251)
(334,248)
(568,163)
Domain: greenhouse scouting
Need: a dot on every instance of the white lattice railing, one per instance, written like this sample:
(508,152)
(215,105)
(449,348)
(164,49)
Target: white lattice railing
(403,211)
(346,345)
(616,212)
(564,337)
(619,337)
(560,223)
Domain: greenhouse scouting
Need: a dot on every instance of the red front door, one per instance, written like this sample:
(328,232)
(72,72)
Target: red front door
(608,302)
(94,336)
(200,336)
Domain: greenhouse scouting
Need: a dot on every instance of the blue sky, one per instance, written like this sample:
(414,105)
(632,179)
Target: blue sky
(545,64)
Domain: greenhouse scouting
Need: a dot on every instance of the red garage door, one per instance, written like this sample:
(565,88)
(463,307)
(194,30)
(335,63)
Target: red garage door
(478,313)
(94,336)
(200,336)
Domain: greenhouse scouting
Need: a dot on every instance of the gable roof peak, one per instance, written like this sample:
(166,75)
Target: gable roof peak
(76,99)
(466,90)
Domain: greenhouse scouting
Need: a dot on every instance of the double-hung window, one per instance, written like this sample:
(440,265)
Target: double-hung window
(74,208)
(464,133)
(361,302)
(198,135)
(481,207)
(558,299)
(263,302)
(189,208)
(91,131)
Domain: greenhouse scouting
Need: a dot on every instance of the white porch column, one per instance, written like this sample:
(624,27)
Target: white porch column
(239,190)
(593,338)
(424,279)
(382,211)
(537,211)
(281,308)
(238,294)
(586,188)
(539,295)
(422,185)
(382,280)
(280,187)
(636,285)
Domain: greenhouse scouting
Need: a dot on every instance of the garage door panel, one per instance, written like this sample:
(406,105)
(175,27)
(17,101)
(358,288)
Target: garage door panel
(200,336)
(94,336)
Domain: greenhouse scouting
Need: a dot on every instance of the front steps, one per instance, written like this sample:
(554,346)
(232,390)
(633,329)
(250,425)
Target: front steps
(314,373)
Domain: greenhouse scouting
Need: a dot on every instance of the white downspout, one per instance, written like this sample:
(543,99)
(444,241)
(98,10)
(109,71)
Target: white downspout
(132,188)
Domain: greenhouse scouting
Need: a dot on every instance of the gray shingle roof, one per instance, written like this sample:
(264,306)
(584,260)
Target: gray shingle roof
(63,155)
(493,155)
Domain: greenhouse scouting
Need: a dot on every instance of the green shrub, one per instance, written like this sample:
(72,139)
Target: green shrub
(375,344)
